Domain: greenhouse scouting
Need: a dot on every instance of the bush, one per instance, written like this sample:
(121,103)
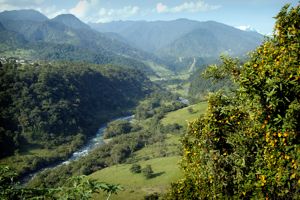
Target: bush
(190,110)
(135,168)
(148,172)
(153,196)
(116,128)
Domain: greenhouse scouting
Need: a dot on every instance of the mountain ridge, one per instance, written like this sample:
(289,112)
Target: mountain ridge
(160,36)
(167,43)
(67,38)
(70,21)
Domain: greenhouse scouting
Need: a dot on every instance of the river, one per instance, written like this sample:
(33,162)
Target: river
(93,143)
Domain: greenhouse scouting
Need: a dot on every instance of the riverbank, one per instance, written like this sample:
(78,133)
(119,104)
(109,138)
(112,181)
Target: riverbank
(92,143)
(34,158)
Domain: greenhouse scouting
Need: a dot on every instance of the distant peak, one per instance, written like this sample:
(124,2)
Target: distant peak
(248,28)
(69,16)
(71,21)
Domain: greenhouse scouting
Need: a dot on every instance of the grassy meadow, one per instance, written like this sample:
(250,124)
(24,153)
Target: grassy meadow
(136,186)
(182,116)
(163,156)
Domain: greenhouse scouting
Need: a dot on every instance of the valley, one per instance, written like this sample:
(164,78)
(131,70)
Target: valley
(174,109)
(70,52)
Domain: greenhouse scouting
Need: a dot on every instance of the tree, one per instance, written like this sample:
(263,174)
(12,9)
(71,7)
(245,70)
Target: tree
(116,128)
(153,196)
(246,146)
(148,172)
(135,168)
(190,110)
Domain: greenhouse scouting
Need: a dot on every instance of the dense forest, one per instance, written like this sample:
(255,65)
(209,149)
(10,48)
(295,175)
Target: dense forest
(48,105)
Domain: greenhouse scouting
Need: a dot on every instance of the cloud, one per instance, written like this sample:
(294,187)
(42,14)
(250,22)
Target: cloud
(106,15)
(250,28)
(191,6)
(7,7)
(81,9)
(160,8)
(17,4)
(244,27)
(49,11)
(91,10)
(84,9)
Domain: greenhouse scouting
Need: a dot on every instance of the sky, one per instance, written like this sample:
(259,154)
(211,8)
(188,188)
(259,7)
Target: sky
(244,14)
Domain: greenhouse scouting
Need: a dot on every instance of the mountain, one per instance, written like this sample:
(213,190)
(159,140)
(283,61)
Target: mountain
(183,37)
(212,39)
(175,46)
(31,15)
(149,36)
(70,21)
(10,39)
(67,38)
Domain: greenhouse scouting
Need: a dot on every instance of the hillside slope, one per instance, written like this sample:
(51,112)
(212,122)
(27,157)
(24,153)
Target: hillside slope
(45,104)
(212,39)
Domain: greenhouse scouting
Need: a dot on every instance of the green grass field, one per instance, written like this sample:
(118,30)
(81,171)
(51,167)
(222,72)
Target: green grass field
(182,116)
(160,70)
(170,147)
(166,168)
(181,89)
(136,186)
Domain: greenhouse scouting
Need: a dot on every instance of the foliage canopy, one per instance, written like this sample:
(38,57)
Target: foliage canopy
(246,146)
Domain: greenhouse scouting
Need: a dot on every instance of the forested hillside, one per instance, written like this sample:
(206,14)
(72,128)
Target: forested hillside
(49,104)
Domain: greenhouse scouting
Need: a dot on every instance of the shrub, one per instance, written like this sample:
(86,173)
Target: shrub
(148,172)
(135,168)
(153,196)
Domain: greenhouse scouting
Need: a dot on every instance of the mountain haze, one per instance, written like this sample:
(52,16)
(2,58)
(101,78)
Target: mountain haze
(183,37)
(167,45)
(212,39)
(149,36)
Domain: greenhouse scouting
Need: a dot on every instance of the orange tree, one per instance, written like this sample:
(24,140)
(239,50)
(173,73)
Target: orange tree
(246,146)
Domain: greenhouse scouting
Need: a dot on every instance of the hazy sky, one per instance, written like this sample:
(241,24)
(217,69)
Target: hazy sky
(257,14)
